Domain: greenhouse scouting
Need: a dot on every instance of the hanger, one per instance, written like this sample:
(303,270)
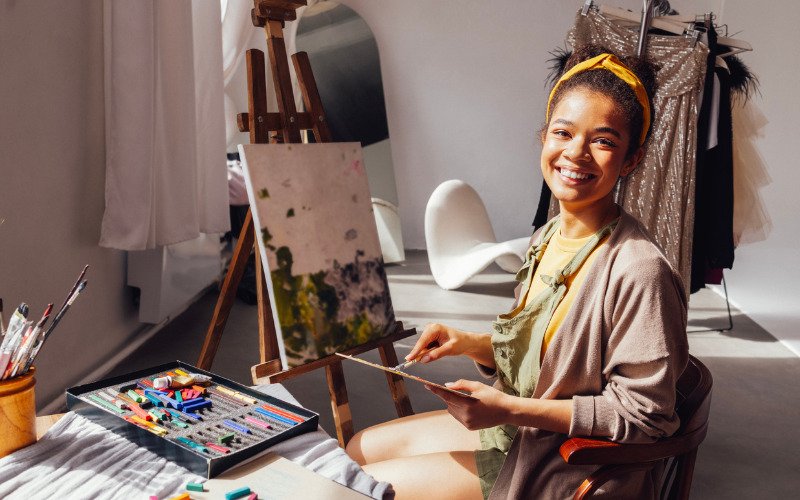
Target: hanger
(644,26)
(676,24)
(735,46)
(665,23)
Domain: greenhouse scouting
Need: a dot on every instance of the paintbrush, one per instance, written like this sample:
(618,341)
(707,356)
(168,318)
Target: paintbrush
(43,336)
(406,364)
(78,289)
(27,343)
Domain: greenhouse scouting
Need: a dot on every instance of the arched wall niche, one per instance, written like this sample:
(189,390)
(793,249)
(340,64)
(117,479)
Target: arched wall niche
(346,63)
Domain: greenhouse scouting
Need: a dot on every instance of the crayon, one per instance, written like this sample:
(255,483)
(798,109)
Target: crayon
(194,487)
(238,395)
(141,426)
(283,413)
(226,397)
(183,416)
(275,416)
(193,407)
(193,444)
(134,407)
(218,448)
(259,423)
(135,396)
(150,425)
(237,493)
(237,427)
(105,404)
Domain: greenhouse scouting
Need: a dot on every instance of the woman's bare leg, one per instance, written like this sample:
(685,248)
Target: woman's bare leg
(434,475)
(424,433)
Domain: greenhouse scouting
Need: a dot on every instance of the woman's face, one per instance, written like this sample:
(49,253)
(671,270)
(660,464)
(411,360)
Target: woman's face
(584,148)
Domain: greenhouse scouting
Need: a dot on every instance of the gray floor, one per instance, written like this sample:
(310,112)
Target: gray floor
(750,451)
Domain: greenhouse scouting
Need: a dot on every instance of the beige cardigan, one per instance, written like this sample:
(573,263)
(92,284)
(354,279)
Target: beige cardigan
(617,355)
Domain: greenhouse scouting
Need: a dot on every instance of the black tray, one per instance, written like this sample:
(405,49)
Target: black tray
(208,465)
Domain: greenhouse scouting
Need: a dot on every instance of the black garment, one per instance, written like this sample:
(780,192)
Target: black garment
(712,244)
(720,249)
(544,206)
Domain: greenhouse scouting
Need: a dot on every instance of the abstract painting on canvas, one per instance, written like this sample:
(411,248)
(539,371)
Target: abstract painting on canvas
(312,209)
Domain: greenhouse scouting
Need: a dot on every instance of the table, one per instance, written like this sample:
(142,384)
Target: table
(44,422)
(76,458)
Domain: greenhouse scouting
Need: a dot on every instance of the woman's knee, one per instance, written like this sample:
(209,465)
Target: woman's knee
(353,448)
(408,436)
(377,443)
(437,475)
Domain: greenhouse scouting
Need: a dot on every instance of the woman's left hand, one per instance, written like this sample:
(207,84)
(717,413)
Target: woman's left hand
(489,408)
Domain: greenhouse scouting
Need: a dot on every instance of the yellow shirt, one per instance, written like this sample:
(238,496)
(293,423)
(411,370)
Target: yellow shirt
(559,252)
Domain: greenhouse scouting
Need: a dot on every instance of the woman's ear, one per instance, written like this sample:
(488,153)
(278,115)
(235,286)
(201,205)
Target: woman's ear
(632,162)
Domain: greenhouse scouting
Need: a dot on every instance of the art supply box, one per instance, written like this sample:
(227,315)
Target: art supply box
(262,422)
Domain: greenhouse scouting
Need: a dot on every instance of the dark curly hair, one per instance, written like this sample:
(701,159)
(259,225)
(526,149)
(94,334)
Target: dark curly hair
(607,83)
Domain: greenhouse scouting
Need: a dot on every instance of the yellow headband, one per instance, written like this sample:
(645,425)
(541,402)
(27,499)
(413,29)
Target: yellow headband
(612,64)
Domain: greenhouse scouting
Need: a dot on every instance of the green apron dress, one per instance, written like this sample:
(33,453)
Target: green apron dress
(517,343)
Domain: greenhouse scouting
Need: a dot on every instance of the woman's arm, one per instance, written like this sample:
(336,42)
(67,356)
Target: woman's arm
(452,342)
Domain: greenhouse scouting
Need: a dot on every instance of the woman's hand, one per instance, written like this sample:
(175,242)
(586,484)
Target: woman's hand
(489,408)
(493,407)
(438,340)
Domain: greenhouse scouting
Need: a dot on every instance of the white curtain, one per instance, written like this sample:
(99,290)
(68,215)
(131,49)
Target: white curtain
(166,180)
(237,33)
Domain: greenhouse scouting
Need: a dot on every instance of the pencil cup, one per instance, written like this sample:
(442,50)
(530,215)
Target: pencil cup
(17,413)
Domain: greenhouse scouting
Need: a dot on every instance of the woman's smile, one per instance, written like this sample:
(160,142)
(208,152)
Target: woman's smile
(574,175)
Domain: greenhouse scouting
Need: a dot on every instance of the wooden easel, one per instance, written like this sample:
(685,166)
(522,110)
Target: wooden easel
(285,126)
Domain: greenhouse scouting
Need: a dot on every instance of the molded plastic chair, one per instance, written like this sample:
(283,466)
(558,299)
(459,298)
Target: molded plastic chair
(692,404)
(387,221)
(460,239)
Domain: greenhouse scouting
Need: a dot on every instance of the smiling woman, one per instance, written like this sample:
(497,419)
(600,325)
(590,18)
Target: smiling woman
(595,342)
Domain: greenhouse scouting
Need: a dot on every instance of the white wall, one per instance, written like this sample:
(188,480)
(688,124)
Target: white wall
(464,86)
(52,164)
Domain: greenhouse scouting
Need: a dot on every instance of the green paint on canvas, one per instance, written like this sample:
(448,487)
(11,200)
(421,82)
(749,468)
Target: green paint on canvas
(308,308)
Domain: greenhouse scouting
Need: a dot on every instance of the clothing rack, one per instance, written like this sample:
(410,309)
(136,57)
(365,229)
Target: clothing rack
(645,24)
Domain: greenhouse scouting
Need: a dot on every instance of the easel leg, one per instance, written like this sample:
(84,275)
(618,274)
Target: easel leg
(267,335)
(228,293)
(339,402)
(397,385)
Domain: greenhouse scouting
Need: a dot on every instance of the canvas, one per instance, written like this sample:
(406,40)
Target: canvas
(311,206)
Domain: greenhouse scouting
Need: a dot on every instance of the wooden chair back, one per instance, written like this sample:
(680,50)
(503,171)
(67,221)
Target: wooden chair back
(693,403)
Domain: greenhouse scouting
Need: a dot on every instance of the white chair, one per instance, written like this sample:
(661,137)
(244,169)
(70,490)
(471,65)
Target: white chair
(387,220)
(460,239)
